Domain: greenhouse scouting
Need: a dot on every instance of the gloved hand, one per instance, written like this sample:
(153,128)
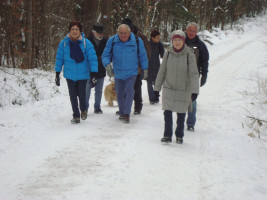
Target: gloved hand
(145,74)
(109,70)
(194,97)
(93,80)
(57,79)
(203,80)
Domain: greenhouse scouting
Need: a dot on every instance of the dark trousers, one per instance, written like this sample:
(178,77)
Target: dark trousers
(179,132)
(77,89)
(138,94)
(153,95)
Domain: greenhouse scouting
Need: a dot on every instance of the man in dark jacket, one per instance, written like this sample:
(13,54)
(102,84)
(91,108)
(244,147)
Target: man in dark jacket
(97,78)
(138,83)
(202,58)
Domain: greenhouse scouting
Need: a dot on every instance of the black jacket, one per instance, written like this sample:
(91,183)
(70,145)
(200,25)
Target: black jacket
(202,54)
(157,50)
(99,50)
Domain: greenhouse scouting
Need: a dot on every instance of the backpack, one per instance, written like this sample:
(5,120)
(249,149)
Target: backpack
(146,43)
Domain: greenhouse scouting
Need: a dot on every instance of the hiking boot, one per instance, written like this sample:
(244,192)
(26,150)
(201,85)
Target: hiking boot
(179,140)
(75,120)
(137,112)
(98,111)
(126,118)
(117,112)
(190,128)
(83,115)
(166,140)
(121,118)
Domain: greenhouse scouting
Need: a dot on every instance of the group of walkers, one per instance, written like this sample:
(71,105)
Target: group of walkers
(129,58)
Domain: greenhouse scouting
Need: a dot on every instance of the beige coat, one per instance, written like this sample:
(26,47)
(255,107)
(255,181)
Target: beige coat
(179,80)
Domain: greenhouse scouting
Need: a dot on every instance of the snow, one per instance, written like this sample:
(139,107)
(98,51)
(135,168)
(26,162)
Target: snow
(43,156)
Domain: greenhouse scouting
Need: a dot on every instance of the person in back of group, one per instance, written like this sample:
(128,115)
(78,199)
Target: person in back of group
(157,51)
(97,78)
(124,52)
(180,79)
(202,59)
(78,56)
(138,83)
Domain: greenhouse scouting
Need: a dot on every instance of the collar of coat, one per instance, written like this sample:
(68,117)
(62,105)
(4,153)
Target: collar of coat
(67,38)
(132,40)
(184,51)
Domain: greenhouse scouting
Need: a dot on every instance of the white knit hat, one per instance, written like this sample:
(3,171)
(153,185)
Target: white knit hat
(178,32)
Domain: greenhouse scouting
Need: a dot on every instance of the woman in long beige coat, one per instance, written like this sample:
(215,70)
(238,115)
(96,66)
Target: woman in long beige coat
(179,76)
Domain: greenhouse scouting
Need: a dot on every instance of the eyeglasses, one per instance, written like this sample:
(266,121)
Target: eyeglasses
(74,29)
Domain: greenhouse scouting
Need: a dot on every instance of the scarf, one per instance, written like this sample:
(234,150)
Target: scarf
(76,52)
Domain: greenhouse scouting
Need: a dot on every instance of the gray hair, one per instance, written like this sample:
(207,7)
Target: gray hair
(124,25)
(191,24)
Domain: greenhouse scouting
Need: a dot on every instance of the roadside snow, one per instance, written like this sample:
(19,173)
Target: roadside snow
(43,156)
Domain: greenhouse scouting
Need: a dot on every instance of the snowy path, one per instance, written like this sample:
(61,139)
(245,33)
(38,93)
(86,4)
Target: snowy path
(43,156)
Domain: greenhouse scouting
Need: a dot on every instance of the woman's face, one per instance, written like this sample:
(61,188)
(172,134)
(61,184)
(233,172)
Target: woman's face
(178,43)
(75,32)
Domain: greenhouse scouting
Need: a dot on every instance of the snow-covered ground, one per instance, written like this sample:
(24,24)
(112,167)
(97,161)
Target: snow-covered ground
(44,157)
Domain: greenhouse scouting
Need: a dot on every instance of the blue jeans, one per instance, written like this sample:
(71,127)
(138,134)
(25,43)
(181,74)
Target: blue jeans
(98,93)
(191,118)
(125,94)
(153,95)
(77,89)
(179,132)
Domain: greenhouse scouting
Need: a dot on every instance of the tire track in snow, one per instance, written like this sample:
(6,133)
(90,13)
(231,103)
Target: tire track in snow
(230,70)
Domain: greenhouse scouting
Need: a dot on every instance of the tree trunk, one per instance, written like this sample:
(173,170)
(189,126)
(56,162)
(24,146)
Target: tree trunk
(89,14)
(27,55)
(147,12)
(105,15)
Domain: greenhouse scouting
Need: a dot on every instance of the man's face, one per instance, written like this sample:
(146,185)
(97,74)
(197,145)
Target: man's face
(124,34)
(99,35)
(156,39)
(191,32)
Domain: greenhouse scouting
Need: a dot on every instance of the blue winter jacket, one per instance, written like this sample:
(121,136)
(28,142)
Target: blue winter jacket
(124,56)
(72,70)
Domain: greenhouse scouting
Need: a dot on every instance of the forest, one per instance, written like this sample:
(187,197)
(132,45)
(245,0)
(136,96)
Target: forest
(30,30)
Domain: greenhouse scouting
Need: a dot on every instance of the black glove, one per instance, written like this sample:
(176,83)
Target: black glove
(93,81)
(57,79)
(203,80)
(194,97)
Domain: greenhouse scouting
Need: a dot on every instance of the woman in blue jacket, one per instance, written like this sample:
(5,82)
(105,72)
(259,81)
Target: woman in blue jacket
(78,56)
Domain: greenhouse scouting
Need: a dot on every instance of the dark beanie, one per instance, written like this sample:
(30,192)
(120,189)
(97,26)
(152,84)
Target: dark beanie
(128,22)
(98,28)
